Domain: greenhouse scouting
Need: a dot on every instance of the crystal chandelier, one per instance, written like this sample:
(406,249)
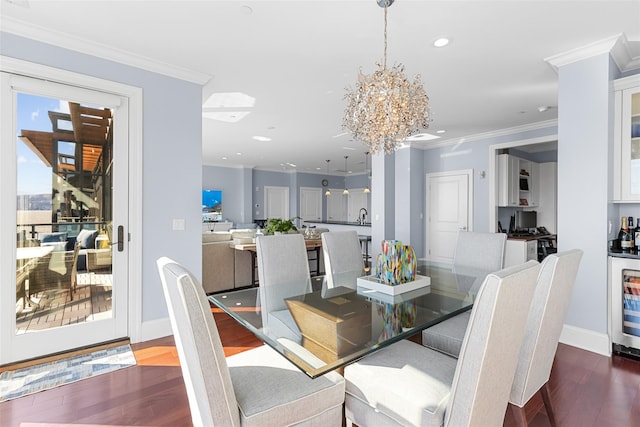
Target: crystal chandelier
(385,108)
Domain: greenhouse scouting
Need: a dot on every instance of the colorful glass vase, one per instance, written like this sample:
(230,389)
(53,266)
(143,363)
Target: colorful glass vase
(396,264)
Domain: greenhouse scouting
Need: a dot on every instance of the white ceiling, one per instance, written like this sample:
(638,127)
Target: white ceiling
(295,58)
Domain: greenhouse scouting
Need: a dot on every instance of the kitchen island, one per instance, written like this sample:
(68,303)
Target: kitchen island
(361,229)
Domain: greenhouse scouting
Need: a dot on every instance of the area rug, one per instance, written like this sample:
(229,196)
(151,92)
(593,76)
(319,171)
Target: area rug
(32,379)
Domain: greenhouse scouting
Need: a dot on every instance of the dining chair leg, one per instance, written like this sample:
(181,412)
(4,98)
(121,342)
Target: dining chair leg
(519,415)
(546,398)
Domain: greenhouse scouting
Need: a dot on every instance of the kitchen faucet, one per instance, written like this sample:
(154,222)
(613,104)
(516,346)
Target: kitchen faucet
(362,219)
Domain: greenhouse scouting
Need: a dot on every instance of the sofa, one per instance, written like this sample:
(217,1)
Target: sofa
(223,267)
(91,257)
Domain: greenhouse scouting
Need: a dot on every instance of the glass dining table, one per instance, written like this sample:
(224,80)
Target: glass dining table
(328,328)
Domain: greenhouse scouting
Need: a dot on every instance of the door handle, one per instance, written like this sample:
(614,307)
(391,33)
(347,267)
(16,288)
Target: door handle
(120,241)
(462,228)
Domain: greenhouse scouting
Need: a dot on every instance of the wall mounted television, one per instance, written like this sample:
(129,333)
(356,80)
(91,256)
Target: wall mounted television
(211,205)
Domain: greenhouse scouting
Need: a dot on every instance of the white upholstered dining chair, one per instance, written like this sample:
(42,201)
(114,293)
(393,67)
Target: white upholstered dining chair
(258,387)
(480,250)
(544,325)
(343,261)
(408,384)
(283,271)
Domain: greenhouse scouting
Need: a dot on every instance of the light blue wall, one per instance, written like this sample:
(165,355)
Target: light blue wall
(409,199)
(585,133)
(232,183)
(541,157)
(172,158)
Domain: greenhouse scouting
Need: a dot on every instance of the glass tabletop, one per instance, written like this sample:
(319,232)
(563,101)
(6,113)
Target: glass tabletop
(326,328)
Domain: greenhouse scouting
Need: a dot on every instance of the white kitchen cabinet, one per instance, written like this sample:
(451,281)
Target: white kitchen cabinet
(626,147)
(519,251)
(517,182)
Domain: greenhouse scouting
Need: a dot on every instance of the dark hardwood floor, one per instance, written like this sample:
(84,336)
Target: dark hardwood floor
(586,389)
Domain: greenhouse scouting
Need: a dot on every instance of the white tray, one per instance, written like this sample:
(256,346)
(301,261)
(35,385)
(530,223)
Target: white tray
(372,282)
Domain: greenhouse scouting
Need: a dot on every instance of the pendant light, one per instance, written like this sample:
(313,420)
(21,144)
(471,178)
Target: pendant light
(385,107)
(345,192)
(366,169)
(328,192)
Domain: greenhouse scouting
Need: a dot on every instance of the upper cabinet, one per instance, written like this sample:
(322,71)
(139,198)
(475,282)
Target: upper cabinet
(517,182)
(626,147)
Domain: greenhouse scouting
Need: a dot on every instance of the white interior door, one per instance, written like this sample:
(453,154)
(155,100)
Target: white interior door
(276,202)
(58,185)
(336,206)
(310,204)
(449,206)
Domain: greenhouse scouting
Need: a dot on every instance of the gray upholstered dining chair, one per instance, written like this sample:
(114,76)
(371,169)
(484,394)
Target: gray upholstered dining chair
(257,387)
(343,261)
(283,271)
(544,325)
(408,384)
(480,250)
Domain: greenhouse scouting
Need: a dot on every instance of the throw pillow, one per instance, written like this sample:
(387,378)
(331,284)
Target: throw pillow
(56,237)
(87,238)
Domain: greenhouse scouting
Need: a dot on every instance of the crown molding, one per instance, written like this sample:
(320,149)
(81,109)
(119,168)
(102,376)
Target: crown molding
(622,56)
(491,134)
(66,41)
(617,46)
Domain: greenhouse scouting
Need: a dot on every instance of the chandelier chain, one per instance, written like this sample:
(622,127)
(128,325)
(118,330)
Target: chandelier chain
(384,63)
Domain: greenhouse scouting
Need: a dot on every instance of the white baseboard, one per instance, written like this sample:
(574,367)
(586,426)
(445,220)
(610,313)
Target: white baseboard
(154,329)
(586,340)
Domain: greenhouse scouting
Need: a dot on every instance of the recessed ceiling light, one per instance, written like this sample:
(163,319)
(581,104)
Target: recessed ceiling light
(543,108)
(224,157)
(441,42)
(349,148)
(341,134)
(225,116)
(261,138)
(238,154)
(441,131)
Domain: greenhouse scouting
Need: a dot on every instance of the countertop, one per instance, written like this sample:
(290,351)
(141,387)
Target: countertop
(617,254)
(532,237)
(366,224)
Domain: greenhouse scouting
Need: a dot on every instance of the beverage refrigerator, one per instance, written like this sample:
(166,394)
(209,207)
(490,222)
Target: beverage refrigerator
(624,305)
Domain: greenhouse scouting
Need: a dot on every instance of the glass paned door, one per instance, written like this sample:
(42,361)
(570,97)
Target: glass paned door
(68,286)
(631,302)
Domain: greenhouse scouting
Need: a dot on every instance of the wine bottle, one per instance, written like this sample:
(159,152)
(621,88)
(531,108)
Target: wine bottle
(636,236)
(631,231)
(624,236)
